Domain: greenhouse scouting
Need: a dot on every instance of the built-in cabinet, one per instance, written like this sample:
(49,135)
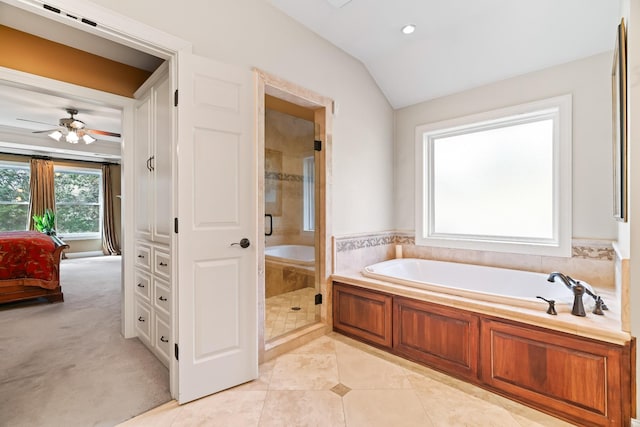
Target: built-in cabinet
(153,225)
(582,380)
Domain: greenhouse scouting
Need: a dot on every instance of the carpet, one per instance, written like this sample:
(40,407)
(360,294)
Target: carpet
(66,364)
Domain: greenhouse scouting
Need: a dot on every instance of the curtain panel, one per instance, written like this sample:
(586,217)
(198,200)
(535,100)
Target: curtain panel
(110,244)
(41,188)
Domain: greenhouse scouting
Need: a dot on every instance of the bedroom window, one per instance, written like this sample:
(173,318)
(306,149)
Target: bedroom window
(497,181)
(78,202)
(14,196)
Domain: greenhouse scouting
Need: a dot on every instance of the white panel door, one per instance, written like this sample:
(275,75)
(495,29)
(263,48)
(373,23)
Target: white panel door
(216,281)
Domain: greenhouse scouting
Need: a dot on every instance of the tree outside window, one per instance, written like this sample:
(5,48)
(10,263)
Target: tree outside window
(78,201)
(14,196)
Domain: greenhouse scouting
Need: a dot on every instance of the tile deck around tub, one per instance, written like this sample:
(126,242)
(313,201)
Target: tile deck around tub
(336,381)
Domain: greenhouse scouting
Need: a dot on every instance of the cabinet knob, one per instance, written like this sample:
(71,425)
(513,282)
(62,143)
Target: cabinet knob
(162,298)
(163,339)
(140,319)
(163,264)
(140,285)
(140,256)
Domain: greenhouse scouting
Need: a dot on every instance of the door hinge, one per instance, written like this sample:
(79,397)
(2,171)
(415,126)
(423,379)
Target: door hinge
(175,98)
(318,299)
(317,145)
(175,225)
(175,350)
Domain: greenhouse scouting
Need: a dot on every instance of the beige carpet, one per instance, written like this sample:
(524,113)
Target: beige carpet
(66,364)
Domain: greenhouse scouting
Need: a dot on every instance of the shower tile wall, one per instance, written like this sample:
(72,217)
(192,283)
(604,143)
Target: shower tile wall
(288,140)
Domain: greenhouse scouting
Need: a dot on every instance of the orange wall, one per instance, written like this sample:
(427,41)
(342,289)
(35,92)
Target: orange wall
(25,52)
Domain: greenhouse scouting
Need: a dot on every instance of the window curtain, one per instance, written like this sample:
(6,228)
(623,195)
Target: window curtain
(41,187)
(110,245)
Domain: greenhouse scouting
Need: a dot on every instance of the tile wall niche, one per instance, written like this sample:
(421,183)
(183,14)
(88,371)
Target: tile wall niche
(288,140)
(592,261)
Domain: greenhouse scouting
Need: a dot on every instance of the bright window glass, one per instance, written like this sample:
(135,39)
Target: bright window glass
(14,196)
(78,202)
(497,181)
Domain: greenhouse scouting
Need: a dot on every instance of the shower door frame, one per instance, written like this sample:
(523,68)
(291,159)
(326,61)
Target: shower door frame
(268,84)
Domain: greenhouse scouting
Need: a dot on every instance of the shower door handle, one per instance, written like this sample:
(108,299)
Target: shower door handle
(270,224)
(244,243)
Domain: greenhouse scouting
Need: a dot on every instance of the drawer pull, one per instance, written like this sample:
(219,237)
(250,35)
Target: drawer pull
(163,339)
(163,264)
(140,285)
(140,256)
(161,298)
(140,319)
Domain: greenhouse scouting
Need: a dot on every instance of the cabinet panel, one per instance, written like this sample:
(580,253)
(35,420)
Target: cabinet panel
(576,377)
(362,313)
(161,297)
(143,285)
(142,148)
(162,218)
(143,256)
(162,264)
(163,339)
(143,321)
(443,338)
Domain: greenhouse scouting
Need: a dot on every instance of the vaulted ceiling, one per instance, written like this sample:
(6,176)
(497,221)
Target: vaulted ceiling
(457,44)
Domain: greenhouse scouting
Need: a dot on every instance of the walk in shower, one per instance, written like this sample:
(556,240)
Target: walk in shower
(290,222)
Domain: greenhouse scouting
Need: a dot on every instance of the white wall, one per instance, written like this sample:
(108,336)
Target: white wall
(588,80)
(251,32)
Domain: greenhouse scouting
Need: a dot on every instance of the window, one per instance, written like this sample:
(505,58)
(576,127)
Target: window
(308,194)
(78,202)
(14,196)
(497,181)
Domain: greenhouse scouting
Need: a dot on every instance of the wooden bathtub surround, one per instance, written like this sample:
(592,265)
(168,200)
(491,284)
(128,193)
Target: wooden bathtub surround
(579,379)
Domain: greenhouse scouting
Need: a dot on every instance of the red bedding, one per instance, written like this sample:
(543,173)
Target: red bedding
(28,255)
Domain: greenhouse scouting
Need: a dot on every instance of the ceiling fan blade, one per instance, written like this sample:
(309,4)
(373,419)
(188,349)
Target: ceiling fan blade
(33,121)
(45,131)
(102,132)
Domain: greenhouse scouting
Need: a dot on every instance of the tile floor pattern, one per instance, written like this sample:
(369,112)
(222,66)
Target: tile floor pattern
(335,381)
(280,318)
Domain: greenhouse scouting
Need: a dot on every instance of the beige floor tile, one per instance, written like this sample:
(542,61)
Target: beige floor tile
(322,345)
(262,383)
(229,408)
(321,408)
(304,372)
(384,408)
(162,416)
(362,371)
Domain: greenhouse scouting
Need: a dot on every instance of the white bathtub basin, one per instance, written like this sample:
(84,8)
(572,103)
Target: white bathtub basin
(292,254)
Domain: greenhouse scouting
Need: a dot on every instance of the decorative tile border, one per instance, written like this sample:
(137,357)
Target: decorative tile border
(585,250)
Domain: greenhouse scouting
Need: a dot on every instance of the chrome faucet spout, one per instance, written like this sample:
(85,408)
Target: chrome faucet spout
(562,277)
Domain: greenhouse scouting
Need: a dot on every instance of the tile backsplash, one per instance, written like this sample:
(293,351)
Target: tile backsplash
(592,261)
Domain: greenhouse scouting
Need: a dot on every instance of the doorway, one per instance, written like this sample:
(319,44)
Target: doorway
(294,148)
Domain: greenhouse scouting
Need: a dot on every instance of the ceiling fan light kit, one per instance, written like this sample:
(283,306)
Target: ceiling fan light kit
(73,130)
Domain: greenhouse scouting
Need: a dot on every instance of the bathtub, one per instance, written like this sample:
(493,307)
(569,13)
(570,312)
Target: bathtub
(498,285)
(291,254)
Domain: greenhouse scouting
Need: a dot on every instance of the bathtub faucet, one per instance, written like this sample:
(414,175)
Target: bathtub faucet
(578,291)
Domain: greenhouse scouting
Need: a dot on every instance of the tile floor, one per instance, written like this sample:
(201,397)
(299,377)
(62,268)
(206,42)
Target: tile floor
(280,318)
(335,381)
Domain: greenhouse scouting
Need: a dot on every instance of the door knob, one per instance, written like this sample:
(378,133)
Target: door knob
(243,243)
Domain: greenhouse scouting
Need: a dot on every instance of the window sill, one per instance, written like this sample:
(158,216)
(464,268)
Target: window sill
(70,237)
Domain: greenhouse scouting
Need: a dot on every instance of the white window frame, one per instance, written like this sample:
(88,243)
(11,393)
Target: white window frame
(8,164)
(79,169)
(560,110)
(308,194)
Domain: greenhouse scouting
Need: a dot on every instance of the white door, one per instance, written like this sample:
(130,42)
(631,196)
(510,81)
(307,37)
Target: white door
(216,281)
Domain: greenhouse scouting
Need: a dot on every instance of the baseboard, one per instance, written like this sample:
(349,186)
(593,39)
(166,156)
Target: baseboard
(83,254)
(635,422)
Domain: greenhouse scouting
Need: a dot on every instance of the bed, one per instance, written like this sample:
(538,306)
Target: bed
(30,266)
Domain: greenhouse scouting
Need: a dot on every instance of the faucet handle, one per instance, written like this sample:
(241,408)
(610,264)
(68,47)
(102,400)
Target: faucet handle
(599,307)
(552,306)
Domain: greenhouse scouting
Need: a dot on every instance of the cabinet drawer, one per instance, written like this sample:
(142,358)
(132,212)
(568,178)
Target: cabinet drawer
(143,256)
(162,264)
(143,285)
(162,297)
(143,321)
(163,338)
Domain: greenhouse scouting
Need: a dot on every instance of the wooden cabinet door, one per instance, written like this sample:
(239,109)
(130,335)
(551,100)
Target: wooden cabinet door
(440,337)
(578,378)
(362,314)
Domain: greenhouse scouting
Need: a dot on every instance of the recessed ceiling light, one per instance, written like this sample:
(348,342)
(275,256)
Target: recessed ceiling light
(408,29)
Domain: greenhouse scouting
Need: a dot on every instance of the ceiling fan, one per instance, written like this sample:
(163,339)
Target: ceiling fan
(72,129)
